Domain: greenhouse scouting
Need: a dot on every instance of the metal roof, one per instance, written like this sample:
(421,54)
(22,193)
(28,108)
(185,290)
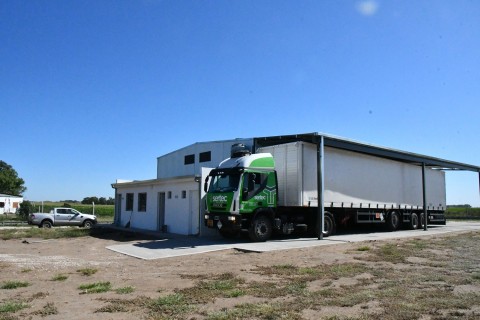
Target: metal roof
(345,144)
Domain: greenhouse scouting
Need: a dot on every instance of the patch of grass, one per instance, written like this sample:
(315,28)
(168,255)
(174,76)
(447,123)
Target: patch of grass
(60,277)
(125,290)
(256,311)
(97,287)
(223,285)
(44,233)
(26,270)
(14,284)
(170,306)
(47,310)
(12,306)
(87,271)
(363,248)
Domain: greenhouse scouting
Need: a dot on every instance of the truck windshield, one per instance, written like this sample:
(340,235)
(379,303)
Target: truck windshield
(224,183)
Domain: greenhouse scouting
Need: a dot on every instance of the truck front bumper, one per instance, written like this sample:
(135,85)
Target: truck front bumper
(223,221)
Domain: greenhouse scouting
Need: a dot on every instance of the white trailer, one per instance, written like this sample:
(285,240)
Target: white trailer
(352,180)
(358,188)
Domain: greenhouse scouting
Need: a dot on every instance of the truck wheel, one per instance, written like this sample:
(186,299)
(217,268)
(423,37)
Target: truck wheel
(261,229)
(414,222)
(328,225)
(46,224)
(87,224)
(393,221)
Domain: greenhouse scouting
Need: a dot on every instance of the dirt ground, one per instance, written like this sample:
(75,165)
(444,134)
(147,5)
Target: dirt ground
(40,263)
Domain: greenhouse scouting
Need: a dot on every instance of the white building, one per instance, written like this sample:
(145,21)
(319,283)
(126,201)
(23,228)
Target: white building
(172,202)
(9,204)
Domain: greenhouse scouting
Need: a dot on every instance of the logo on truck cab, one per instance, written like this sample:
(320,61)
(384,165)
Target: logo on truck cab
(219,198)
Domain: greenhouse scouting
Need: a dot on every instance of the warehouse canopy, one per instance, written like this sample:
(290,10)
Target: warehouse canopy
(341,143)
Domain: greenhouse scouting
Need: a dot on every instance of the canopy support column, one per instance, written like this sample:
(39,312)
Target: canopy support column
(320,187)
(425,213)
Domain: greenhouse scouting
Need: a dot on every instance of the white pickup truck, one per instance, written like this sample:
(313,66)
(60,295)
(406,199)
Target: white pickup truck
(62,217)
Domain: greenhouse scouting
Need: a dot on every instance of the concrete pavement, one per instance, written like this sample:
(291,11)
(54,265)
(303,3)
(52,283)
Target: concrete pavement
(179,246)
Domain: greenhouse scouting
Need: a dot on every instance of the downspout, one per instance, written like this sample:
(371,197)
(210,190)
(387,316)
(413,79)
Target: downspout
(198,179)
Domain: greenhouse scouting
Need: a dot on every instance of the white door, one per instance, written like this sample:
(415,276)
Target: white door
(193,212)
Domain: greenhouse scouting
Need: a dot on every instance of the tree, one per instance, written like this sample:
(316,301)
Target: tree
(26,207)
(10,182)
(89,200)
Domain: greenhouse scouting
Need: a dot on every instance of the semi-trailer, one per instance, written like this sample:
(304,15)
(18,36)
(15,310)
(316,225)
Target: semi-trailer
(274,190)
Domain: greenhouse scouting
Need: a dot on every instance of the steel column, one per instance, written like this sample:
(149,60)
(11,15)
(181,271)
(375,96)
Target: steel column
(425,214)
(320,187)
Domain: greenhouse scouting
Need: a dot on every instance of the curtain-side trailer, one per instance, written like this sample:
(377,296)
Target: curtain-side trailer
(275,190)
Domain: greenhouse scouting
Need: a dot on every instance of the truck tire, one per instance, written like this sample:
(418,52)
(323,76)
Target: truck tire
(87,224)
(46,224)
(393,221)
(260,229)
(421,220)
(414,222)
(329,225)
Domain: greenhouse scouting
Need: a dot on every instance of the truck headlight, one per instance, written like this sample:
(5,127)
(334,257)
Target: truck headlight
(207,217)
(231,218)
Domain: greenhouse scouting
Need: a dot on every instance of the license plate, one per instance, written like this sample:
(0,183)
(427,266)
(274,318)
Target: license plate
(210,223)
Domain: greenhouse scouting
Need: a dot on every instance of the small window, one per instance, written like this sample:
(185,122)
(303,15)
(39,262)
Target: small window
(184,194)
(2,204)
(189,159)
(169,195)
(142,202)
(205,156)
(129,204)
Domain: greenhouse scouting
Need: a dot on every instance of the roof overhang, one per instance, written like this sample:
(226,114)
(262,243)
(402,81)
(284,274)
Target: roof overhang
(345,144)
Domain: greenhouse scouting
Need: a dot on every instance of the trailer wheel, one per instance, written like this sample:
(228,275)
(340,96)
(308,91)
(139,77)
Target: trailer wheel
(414,222)
(393,221)
(421,221)
(328,225)
(260,229)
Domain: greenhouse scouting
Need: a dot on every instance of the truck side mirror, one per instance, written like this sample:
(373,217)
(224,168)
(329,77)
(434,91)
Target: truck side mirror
(205,185)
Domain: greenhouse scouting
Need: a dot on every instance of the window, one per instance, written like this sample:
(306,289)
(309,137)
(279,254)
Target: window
(169,195)
(205,156)
(184,194)
(142,202)
(189,159)
(129,204)
(254,183)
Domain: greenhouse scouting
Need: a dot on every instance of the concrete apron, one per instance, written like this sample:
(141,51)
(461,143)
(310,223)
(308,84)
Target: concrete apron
(180,246)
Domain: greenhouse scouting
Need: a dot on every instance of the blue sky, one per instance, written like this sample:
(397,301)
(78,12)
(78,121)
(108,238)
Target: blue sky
(92,91)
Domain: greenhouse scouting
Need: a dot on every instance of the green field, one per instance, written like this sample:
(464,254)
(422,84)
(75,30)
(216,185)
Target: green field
(462,213)
(101,211)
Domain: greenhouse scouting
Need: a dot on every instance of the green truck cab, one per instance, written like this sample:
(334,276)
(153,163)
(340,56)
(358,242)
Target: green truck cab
(242,195)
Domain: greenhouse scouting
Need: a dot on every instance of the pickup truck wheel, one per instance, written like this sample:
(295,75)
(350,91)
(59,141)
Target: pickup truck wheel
(87,224)
(46,224)
(261,229)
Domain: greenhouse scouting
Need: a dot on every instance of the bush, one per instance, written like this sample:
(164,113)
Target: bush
(26,207)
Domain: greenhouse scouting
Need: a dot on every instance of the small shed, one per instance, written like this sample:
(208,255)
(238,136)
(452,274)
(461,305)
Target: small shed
(9,203)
